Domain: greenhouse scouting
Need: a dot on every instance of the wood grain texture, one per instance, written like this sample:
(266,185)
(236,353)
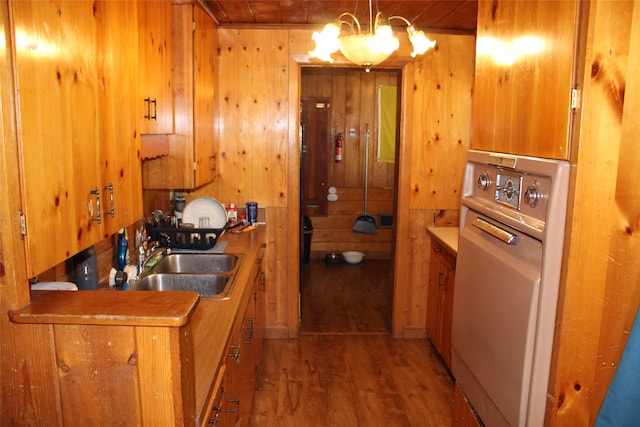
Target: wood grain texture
(351,380)
(457,15)
(602,274)
(522,103)
(346,298)
(25,396)
(93,363)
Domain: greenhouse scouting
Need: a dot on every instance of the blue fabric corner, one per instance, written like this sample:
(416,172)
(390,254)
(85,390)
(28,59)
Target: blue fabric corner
(621,406)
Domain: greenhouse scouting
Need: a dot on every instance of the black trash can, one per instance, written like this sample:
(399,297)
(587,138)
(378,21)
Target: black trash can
(308,232)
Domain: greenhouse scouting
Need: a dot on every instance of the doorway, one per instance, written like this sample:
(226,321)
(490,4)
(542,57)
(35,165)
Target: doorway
(348,99)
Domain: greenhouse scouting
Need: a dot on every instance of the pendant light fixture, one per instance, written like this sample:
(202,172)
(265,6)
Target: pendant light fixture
(366,48)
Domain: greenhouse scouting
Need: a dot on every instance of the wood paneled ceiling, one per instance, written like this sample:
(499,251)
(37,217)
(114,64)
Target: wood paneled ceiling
(444,15)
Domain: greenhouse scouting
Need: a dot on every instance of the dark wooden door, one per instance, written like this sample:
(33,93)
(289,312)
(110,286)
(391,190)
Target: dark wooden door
(317,152)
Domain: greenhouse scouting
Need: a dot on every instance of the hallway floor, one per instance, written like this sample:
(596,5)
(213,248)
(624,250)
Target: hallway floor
(347,298)
(345,369)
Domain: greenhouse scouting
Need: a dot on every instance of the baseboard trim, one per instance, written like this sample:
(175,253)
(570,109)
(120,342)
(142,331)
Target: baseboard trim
(276,332)
(414,332)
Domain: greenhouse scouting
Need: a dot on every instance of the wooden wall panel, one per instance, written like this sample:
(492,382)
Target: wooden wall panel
(253,127)
(601,290)
(334,232)
(437,92)
(258,153)
(441,115)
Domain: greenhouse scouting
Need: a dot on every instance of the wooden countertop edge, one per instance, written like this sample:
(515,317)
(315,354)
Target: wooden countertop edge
(447,236)
(106,307)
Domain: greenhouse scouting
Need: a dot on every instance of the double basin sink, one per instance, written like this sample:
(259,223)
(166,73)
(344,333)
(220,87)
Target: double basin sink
(210,275)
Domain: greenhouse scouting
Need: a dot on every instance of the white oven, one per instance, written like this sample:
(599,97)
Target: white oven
(507,276)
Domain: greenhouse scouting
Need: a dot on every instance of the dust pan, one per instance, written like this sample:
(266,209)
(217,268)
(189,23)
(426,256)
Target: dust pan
(365,223)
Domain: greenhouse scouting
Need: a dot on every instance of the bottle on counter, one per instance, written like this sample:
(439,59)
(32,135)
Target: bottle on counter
(86,269)
(252,212)
(232,213)
(123,250)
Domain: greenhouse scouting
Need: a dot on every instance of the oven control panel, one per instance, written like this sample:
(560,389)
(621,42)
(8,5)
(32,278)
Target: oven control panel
(520,194)
(508,189)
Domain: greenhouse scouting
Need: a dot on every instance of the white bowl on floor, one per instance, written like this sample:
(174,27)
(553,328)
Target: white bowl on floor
(353,257)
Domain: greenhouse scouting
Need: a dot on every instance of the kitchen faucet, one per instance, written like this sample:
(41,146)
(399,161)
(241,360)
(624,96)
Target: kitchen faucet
(150,252)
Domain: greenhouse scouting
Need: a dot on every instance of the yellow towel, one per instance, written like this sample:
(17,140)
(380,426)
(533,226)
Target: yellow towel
(387,105)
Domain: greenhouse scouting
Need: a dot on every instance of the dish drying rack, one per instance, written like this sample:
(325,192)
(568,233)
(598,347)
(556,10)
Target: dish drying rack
(185,238)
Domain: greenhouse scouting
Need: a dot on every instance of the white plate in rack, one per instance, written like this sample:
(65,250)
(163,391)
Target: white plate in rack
(205,207)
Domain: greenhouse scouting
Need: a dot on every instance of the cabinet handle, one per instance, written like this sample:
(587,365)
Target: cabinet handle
(236,353)
(111,211)
(97,217)
(213,162)
(443,279)
(148,102)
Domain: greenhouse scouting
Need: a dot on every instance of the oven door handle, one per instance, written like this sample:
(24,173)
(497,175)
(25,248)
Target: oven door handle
(497,232)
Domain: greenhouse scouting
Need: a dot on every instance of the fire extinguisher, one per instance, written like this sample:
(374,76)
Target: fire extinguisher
(339,142)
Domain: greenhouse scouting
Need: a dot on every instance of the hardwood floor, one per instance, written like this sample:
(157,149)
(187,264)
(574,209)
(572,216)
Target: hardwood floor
(344,369)
(346,298)
(351,380)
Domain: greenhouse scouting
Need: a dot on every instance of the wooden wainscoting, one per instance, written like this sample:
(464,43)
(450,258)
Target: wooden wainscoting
(333,233)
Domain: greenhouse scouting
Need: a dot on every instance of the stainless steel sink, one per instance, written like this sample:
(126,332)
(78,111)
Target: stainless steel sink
(207,285)
(196,263)
(210,275)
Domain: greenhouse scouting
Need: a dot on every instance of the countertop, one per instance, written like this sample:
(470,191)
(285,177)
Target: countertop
(447,236)
(211,320)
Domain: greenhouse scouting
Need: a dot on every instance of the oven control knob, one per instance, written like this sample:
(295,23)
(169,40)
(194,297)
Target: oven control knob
(484,181)
(532,195)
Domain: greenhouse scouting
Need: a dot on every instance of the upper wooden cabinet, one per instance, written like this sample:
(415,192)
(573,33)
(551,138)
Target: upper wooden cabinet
(76,68)
(154,106)
(190,162)
(524,77)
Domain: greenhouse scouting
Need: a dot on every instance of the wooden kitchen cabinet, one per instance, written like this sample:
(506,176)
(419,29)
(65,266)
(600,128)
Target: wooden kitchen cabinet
(440,299)
(76,68)
(190,161)
(244,353)
(523,85)
(463,414)
(154,105)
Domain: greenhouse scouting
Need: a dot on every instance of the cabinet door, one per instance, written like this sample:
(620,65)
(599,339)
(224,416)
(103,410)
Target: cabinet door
(435,295)
(119,145)
(447,309)
(524,76)
(154,105)
(247,368)
(190,162)
(204,45)
(440,300)
(76,70)
(58,90)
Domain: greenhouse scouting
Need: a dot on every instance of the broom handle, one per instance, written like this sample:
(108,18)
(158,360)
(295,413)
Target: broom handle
(366,165)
